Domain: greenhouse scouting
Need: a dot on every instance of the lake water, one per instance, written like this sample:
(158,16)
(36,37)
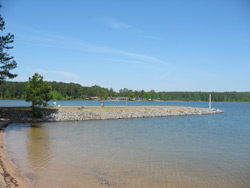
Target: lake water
(23,103)
(180,152)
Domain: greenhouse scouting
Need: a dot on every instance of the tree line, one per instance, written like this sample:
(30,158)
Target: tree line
(73,91)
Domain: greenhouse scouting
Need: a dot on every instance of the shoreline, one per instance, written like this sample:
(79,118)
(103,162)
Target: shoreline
(9,175)
(100,100)
(12,177)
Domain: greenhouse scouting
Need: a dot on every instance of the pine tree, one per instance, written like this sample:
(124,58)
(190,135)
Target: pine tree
(38,91)
(6,61)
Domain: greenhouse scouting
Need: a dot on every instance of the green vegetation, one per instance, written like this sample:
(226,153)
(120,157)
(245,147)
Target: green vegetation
(38,92)
(72,91)
(6,61)
(131,96)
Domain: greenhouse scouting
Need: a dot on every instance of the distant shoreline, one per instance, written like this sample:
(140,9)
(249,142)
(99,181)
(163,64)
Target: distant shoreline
(75,91)
(134,100)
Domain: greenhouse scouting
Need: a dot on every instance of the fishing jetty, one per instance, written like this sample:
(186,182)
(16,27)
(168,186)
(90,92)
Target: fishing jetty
(54,114)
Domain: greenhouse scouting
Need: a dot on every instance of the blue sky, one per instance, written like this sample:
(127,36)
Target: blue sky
(195,45)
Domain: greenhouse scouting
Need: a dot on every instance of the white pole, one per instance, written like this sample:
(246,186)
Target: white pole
(210,101)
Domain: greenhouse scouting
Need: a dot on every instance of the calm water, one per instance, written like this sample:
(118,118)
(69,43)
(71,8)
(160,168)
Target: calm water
(23,103)
(189,151)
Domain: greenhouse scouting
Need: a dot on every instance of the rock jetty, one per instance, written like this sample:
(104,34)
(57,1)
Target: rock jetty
(124,112)
(99,113)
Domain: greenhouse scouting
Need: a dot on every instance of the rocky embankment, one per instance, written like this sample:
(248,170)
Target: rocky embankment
(98,113)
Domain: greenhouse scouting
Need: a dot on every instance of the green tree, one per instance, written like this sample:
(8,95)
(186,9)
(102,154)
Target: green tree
(37,91)
(152,94)
(111,92)
(124,92)
(6,61)
(106,96)
(56,95)
(142,93)
(7,94)
(68,97)
(131,96)
(163,97)
(147,96)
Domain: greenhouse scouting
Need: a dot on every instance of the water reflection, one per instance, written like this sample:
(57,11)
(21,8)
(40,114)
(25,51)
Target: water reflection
(38,147)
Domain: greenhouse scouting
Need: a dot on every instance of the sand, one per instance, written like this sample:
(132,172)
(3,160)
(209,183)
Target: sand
(9,175)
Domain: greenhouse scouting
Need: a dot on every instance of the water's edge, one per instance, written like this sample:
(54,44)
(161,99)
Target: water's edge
(10,176)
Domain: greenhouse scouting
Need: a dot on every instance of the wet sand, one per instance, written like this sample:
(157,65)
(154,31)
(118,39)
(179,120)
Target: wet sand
(9,175)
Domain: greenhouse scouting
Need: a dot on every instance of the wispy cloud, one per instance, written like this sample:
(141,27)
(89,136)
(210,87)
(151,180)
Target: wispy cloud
(164,76)
(136,56)
(153,37)
(118,25)
(32,38)
(127,61)
(60,73)
(72,44)
(139,56)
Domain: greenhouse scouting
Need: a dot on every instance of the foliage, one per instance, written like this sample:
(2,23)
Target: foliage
(162,96)
(147,96)
(106,96)
(37,112)
(37,91)
(72,91)
(131,96)
(56,95)
(124,92)
(7,94)
(6,61)
(15,90)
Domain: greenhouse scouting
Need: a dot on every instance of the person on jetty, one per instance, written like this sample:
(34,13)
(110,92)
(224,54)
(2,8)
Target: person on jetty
(54,103)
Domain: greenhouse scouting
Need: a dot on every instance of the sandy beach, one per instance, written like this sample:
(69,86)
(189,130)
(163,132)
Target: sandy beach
(10,176)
